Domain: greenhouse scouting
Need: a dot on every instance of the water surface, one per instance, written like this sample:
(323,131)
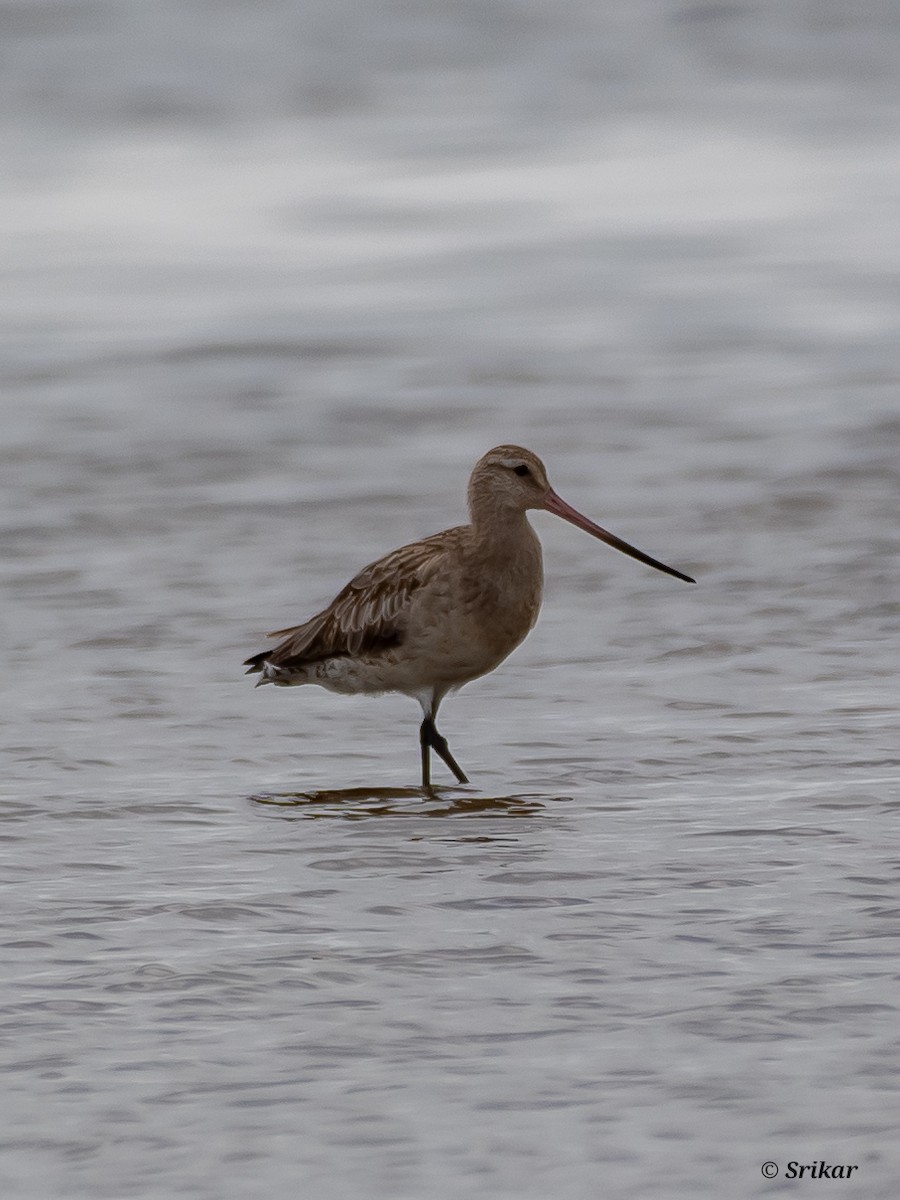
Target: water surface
(276,277)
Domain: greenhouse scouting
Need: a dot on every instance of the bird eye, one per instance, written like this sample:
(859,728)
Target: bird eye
(521,469)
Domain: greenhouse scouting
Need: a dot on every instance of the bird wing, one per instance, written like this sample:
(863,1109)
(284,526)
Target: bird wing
(370,613)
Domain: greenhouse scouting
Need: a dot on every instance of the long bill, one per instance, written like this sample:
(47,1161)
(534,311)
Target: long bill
(555,504)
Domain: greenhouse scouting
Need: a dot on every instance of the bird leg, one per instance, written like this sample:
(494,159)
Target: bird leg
(429,738)
(426,754)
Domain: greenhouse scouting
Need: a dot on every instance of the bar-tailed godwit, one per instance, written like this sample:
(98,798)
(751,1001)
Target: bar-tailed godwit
(435,614)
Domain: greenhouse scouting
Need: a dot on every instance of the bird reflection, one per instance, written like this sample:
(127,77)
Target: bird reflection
(358,803)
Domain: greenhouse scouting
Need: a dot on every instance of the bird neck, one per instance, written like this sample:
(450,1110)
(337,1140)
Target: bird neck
(501,529)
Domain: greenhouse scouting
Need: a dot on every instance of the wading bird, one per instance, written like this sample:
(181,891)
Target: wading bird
(435,614)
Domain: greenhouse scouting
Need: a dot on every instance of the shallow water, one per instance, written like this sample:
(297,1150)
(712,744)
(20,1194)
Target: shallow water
(259,323)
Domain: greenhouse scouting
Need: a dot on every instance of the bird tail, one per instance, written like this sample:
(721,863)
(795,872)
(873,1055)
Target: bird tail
(256,663)
(267,670)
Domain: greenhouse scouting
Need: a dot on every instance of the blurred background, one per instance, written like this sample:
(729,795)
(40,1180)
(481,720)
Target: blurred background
(351,212)
(274,275)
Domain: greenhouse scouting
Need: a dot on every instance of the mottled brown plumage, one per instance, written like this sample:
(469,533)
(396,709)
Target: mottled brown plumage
(433,615)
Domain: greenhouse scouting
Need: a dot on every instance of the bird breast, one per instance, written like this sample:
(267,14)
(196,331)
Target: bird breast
(476,614)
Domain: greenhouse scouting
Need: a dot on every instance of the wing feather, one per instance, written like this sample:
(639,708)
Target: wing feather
(370,613)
